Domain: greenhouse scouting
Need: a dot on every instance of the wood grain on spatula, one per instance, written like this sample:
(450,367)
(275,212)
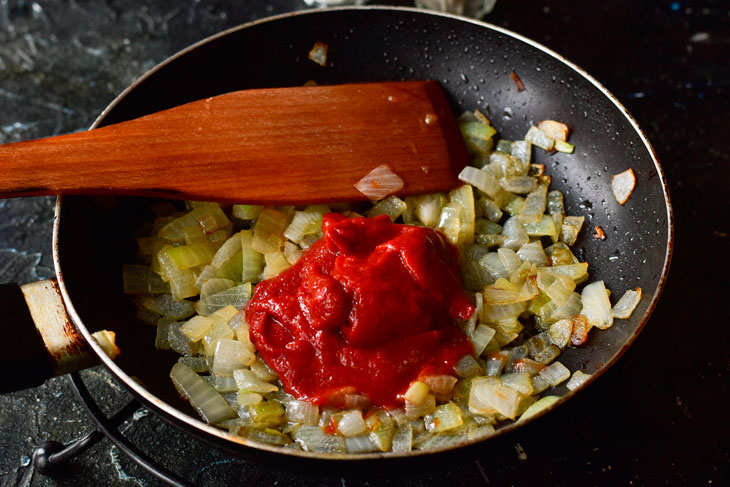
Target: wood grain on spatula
(281,145)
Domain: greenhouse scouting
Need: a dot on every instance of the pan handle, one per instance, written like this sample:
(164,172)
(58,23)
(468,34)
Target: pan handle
(40,340)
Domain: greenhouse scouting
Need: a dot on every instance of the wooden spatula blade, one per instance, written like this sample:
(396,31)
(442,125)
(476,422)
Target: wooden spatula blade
(266,146)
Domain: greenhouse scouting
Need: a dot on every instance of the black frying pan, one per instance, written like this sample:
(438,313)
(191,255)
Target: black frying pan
(474,62)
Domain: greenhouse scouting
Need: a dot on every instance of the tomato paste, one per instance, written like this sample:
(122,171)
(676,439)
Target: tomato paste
(367,309)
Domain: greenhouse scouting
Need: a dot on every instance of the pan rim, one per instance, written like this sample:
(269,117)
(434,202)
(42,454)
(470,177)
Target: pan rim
(168,412)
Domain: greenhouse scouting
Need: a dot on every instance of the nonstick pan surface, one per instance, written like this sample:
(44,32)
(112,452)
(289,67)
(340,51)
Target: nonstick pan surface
(475,62)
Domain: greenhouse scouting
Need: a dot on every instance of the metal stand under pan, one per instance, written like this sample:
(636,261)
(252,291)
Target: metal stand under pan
(50,456)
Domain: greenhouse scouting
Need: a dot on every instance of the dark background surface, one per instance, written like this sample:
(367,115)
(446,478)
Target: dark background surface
(659,417)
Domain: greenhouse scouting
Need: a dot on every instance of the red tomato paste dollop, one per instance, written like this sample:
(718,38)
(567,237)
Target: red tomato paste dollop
(367,309)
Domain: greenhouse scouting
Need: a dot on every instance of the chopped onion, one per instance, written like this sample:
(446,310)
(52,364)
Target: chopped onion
(596,306)
(627,304)
(351,423)
(312,438)
(516,234)
(622,185)
(427,406)
(577,380)
(554,130)
(231,355)
(391,206)
(403,438)
(492,392)
(249,381)
(542,403)
(360,444)
(196,327)
(202,396)
(318,53)
(379,183)
(555,373)
(107,341)
(533,252)
(480,180)
(220,384)
(537,137)
(417,392)
(560,332)
(445,417)
(303,412)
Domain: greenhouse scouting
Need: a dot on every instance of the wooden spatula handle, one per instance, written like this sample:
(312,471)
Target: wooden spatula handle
(283,145)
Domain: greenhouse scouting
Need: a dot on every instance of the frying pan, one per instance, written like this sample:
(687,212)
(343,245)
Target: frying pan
(476,63)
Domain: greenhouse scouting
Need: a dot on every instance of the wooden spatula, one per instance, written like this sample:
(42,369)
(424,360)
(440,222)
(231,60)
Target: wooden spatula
(265,146)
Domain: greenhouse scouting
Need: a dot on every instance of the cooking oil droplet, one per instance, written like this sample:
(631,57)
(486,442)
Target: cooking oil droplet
(507,114)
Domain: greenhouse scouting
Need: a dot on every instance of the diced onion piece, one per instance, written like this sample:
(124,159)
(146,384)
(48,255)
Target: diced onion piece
(440,384)
(533,252)
(303,412)
(141,279)
(360,444)
(537,137)
(276,262)
(268,234)
(196,327)
(560,332)
(516,234)
(519,184)
(491,391)
(570,228)
(627,304)
(266,414)
(403,438)
(522,150)
(221,384)
(391,206)
(416,392)
(428,208)
(107,341)
(468,366)
(596,306)
(202,396)
(480,180)
(520,381)
(318,54)
(481,338)
(312,438)
(427,406)
(303,223)
(231,355)
(260,368)
(236,296)
(622,185)
(554,130)
(167,306)
(534,207)
(562,146)
(247,212)
(197,364)
(249,381)
(445,417)
(245,398)
(536,407)
(555,373)
(215,285)
(577,380)
(379,183)
(351,423)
